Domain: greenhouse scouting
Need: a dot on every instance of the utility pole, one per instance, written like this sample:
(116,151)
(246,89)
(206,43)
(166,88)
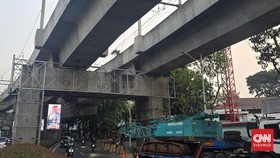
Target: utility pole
(42,14)
(129,105)
(203,86)
(42,102)
(202,78)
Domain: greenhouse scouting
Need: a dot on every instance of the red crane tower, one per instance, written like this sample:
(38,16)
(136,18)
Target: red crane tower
(229,90)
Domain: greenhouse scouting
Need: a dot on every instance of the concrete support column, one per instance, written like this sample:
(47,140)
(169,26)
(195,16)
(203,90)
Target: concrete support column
(28,105)
(27,115)
(150,108)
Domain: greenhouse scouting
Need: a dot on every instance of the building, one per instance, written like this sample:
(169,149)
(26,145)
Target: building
(248,107)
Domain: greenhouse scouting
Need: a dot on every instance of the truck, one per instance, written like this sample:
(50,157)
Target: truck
(196,136)
(266,123)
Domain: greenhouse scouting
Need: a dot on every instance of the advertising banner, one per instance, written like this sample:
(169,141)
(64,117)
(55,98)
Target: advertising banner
(54,113)
(42,124)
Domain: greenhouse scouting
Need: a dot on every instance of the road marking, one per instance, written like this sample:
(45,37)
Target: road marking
(55,147)
(82,153)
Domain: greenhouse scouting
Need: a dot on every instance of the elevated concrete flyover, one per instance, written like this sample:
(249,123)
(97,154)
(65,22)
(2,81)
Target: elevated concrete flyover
(197,27)
(81,31)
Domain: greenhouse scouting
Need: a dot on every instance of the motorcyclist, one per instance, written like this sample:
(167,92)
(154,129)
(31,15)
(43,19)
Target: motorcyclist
(93,143)
(70,144)
(93,140)
(83,140)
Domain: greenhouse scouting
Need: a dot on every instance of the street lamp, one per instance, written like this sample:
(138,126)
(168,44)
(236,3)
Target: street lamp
(201,72)
(129,104)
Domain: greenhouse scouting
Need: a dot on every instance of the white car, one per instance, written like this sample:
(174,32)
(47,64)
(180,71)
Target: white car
(3,142)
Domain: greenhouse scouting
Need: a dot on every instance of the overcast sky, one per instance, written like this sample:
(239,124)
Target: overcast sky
(17,18)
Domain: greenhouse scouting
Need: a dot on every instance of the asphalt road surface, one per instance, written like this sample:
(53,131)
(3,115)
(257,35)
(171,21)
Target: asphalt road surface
(85,152)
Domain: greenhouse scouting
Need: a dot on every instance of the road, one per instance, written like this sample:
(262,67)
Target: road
(85,152)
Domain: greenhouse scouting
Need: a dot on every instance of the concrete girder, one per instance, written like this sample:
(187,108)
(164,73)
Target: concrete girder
(94,34)
(80,40)
(61,22)
(197,27)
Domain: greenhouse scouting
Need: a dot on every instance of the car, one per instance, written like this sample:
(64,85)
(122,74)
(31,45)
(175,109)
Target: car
(3,142)
(64,141)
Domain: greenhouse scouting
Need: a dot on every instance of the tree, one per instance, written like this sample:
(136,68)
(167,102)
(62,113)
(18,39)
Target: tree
(267,44)
(264,83)
(109,114)
(189,92)
(213,66)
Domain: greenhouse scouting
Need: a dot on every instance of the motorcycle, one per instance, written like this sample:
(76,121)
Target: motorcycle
(83,142)
(93,146)
(70,152)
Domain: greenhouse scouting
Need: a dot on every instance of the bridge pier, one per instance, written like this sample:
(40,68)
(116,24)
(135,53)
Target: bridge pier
(152,108)
(27,116)
(29,104)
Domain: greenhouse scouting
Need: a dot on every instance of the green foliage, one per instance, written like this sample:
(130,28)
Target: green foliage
(264,83)
(189,92)
(267,44)
(214,66)
(109,114)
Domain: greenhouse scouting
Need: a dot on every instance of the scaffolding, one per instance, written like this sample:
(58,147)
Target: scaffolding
(31,79)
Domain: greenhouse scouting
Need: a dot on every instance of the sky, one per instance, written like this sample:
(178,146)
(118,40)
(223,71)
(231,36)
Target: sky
(18,17)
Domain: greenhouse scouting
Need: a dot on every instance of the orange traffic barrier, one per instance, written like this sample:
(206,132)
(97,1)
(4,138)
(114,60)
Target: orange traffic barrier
(120,149)
(114,148)
(123,154)
(137,156)
(108,146)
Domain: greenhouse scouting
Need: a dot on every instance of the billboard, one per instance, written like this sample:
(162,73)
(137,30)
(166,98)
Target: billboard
(54,113)
(42,124)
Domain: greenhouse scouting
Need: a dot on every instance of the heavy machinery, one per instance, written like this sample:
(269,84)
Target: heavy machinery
(197,136)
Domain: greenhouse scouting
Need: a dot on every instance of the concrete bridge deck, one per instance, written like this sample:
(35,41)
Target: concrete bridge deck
(81,31)
(197,27)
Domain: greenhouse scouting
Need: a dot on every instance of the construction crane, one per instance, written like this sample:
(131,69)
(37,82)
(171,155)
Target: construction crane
(229,89)
(195,136)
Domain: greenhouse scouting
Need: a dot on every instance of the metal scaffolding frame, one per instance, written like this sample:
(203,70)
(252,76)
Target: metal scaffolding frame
(30,80)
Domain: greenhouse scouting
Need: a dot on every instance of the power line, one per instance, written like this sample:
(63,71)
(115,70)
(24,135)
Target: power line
(31,32)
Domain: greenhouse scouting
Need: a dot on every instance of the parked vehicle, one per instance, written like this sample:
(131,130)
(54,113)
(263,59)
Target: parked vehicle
(3,142)
(267,124)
